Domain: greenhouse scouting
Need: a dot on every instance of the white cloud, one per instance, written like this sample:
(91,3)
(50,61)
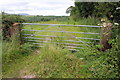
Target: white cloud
(36,7)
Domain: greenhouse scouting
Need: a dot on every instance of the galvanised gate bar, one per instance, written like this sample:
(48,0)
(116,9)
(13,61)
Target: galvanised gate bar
(72,42)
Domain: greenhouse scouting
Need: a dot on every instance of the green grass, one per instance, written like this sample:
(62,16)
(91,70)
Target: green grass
(50,62)
(12,51)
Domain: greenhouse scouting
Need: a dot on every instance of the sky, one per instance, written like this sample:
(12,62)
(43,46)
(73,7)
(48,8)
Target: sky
(36,7)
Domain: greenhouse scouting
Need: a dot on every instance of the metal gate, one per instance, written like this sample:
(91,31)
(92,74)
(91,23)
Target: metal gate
(39,34)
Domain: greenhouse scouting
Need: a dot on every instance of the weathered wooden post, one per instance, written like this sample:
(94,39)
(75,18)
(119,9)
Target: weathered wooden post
(15,31)
(106,32)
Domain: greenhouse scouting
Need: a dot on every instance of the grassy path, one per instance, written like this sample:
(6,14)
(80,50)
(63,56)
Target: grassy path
(54,62)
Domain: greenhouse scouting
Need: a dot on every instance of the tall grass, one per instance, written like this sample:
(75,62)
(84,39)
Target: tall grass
(12,51)
(55,62)
(50,62)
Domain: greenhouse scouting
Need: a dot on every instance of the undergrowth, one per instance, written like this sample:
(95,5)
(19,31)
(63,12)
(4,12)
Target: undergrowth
(55,62)
(100,64)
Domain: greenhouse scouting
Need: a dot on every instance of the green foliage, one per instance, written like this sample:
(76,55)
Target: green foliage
(44,18)
(88,21)
(73,12)
(109,10)
(115,38)
(26,48)
(100,64)
(85,9)
(7,21)
(106,65)
(12,50)
(95,9)
(55,62)
(52,61)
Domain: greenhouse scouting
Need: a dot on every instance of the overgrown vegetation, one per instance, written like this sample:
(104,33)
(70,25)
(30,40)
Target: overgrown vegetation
(50,62)
(7,23)
(100,64)
(11,44)
(105,64)
(54,61)
(109,10)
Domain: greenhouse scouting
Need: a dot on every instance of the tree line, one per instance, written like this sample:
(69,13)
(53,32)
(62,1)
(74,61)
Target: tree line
(109,10)
(39,18)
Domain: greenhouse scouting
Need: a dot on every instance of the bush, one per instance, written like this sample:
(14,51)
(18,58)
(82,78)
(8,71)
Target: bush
(101,64)
(106,65)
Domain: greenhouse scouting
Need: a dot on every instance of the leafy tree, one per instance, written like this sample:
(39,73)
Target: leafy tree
(95,9)
(81,9)
(107,9)
(85,9)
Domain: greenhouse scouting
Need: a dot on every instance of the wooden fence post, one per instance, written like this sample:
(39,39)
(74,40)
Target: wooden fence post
(106,32)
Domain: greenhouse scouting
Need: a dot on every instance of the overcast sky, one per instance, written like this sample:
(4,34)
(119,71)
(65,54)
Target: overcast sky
(36,7)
